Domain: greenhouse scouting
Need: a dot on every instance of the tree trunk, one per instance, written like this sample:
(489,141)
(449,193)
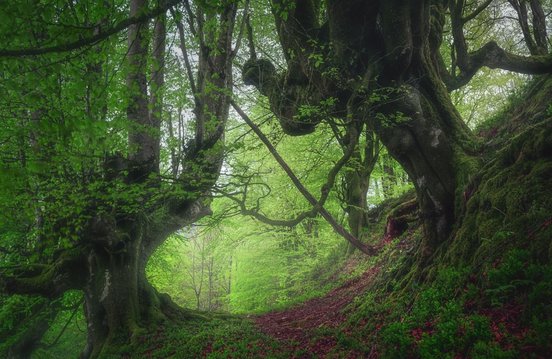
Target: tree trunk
(357,182)
(394,88)
(356,190)
(36,321)
(120,304)
(119,233)
(387,177)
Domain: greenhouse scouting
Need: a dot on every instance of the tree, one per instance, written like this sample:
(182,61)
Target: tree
(97,175)
(378,65)
(105,197)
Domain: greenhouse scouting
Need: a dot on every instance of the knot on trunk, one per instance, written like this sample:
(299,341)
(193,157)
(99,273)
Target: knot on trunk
(259,73)
(400,217)
(293,99)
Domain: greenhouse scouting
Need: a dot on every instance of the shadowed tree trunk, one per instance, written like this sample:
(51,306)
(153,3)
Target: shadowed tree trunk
(356,183)
(382,68)
(119,300)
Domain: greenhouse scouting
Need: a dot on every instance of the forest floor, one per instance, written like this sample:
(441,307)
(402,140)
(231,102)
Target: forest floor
(301,328)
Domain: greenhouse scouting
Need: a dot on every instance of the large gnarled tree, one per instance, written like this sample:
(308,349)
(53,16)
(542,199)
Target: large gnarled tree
(379,63)
(129,204)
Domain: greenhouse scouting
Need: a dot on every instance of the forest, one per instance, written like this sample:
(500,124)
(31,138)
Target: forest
(275,179)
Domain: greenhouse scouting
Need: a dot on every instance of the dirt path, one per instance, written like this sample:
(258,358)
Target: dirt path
(295,325)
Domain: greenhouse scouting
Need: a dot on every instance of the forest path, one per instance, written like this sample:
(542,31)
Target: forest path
(297,326)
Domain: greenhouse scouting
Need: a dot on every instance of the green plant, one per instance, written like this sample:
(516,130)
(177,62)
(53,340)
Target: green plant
(397,340)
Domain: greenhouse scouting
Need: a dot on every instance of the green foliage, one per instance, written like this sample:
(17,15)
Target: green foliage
(61,119)
(209,337)
(397,340)
(283,8)
(22,318)
(440,319)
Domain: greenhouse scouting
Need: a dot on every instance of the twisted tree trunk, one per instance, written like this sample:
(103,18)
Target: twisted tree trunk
(385,55)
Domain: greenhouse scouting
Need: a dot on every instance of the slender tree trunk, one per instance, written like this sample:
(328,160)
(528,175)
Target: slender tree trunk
(36,324)
(356,191)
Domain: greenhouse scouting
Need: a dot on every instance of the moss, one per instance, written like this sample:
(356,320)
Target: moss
(525,108)
(466,166)
(511,200)
(486,285)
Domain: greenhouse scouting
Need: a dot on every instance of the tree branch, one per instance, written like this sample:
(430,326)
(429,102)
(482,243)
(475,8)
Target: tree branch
(184,50)
(521,10)
(493,56)
(67,272)
(92,40)
(324,193)
(73,313)
(369,250)
(490,55)
(477,11)
(244,22)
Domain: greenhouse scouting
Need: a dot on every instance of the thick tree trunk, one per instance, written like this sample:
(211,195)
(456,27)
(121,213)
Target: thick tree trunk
(111,301)
(393,89)
(419,145)
(119,301)
(427,137)
(119,234)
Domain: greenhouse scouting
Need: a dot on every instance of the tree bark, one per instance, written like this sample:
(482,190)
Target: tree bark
(357,182)
(119,302)
(116,235)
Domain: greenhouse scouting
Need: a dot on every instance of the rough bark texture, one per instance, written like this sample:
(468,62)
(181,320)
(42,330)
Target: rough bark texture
(390,85)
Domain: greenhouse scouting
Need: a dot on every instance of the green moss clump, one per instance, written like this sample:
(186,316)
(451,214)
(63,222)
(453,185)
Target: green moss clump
(511,204)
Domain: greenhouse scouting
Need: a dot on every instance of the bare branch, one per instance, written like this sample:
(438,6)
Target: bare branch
(490,55)
(184,50)
(369,250)
(252,52)
(324,193)
(245,20)
(477,11)
(493,56)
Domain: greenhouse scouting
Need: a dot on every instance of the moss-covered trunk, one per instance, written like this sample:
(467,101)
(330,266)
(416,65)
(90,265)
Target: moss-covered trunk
(380,67)
(421,128)
(119,301)
(417,133)
(357,182)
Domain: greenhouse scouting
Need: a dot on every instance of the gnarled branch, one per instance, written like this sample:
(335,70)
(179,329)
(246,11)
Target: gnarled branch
(490,55)
(324,193)
(50,281)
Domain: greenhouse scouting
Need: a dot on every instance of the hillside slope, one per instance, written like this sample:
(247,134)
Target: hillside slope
(488,292)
